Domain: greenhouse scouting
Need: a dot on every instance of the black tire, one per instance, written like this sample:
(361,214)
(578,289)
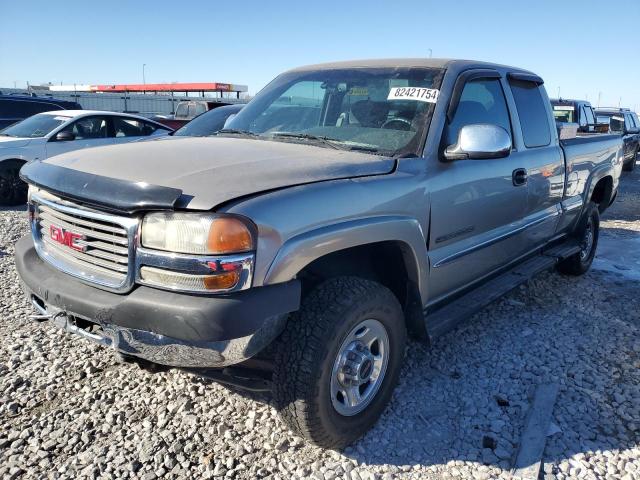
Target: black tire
(309,347)
(631,164)
(13,191)
(580,263)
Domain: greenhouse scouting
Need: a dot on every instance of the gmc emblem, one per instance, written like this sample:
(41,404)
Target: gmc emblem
(68,239)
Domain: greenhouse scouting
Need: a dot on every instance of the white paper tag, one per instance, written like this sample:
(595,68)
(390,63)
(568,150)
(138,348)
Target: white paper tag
(563,108)
(428,95)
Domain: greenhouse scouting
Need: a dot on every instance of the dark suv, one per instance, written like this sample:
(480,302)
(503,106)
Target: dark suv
(14,108)
(576,111)
(626,123)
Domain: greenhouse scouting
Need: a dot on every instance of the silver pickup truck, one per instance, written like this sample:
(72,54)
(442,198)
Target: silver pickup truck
(347,206)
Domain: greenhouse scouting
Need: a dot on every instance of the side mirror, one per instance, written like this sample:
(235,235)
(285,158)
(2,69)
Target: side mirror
(480,141)
(64,136)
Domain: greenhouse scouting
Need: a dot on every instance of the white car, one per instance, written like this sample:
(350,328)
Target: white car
(50,133)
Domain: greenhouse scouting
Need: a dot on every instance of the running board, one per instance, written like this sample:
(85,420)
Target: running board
(440,320)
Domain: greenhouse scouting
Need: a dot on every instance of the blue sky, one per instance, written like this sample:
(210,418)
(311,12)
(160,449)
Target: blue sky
(582,47)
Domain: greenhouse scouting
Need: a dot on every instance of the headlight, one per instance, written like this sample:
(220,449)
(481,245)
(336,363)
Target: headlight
(196,252)
(196,233)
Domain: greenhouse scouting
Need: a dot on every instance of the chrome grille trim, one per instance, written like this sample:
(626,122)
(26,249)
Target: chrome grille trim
(109,259)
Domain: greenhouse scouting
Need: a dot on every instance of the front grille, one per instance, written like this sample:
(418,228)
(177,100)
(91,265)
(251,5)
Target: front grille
(91,245)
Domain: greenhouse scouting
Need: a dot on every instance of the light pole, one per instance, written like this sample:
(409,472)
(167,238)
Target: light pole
(143,79)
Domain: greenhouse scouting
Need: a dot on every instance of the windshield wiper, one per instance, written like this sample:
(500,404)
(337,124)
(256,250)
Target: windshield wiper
(331,142)
(241,133)
(6,135)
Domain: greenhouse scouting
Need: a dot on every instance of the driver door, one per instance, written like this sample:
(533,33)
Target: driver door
(477,205)
(92,131)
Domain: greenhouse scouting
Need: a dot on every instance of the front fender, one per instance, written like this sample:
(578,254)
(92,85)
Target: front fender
(299,251)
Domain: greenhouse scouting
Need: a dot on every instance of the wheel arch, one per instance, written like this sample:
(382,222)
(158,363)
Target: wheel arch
(389,250)
(602,192)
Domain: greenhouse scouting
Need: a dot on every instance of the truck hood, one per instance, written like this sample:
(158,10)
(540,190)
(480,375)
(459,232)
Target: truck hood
(212,170)
(13,142)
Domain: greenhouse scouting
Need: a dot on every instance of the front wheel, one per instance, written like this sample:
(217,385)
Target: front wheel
(338,361)
(13,191)
(587,234)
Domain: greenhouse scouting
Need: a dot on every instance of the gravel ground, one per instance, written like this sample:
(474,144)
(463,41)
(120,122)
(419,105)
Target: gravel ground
(69,410)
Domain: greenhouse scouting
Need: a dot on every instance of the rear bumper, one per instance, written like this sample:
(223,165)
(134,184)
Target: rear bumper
(168,328)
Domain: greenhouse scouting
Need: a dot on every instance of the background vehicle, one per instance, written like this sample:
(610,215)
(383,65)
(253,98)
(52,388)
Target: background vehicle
(186,111)
(624,122)
(52,133)
(209,122)
(346,206)
(14,108)
(580,112)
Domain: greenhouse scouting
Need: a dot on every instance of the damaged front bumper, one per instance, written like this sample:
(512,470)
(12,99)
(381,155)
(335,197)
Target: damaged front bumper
(168,328)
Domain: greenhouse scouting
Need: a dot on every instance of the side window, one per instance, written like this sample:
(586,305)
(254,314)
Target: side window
(629,121)
(128,127)
(89,128)
(150,128)
(588,111)
(482,101)
(635,119)
(582,118)
(532,113)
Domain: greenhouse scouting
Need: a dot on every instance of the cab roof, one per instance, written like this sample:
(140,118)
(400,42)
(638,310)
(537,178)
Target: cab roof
(442,63)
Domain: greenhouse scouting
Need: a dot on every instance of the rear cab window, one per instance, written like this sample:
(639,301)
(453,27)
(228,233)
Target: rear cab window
(532,112)
(564,113)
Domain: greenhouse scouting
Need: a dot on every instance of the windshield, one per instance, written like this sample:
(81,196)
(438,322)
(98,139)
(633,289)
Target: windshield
(35,126)
(564,113)
(379,110)
(208,123)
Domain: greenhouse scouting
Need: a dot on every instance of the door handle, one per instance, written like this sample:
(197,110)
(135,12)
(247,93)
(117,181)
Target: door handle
(519,177)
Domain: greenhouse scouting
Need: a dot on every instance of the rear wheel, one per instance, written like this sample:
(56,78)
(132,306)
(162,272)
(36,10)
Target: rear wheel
(338,361)
(13,191)
(587,234)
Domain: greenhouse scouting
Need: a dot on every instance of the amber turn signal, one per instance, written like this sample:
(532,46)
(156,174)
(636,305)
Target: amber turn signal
(229,235)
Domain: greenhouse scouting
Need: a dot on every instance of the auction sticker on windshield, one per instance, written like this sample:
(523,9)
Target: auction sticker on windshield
(429,95)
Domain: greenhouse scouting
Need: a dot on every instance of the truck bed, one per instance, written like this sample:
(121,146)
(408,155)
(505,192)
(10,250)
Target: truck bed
(585,154)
